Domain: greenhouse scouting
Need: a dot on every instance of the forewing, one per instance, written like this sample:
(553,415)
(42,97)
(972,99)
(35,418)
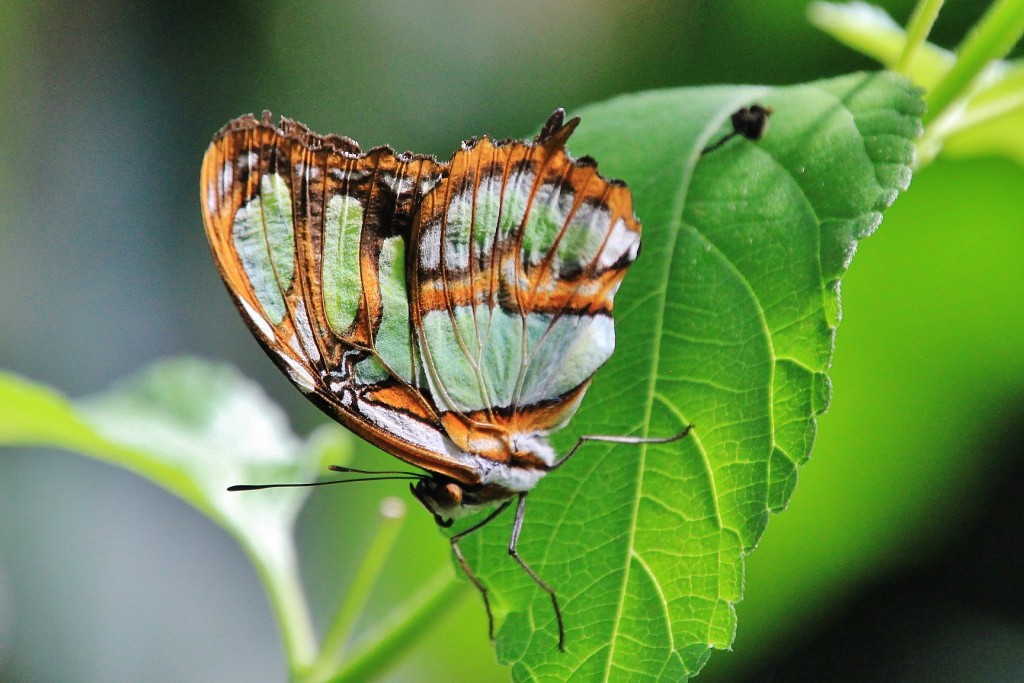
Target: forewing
(309,235)
(519,253)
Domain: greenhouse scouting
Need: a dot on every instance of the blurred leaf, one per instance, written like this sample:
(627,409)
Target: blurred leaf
(193,428)
(978,56)
(727,322)
(993,122)
(868,29)
(992,119)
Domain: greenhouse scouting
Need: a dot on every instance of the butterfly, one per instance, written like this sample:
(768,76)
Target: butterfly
(451,314)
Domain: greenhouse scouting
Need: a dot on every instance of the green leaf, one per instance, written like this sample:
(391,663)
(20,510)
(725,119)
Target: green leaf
(727,322)
(195,428)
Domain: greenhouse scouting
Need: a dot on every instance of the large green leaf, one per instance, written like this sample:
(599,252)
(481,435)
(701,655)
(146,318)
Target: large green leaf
(726,322)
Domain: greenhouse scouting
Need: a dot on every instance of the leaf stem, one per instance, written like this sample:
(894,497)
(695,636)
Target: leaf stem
(406,624)
(918,28)
(992,38)
(392,518)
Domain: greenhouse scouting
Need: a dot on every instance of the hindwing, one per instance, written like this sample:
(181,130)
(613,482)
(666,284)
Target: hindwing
(518,253)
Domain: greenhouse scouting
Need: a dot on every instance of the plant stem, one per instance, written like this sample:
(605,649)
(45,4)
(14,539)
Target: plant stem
(993,37)
(392,517)
(977,116)
(288,601)
(920,25)
(405,625)
(929,146)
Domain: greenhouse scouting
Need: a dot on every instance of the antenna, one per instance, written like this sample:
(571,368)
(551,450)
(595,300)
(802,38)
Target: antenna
(383,475)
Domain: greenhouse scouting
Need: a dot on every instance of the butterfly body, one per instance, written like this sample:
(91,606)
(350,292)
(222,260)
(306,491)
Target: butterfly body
(451,314)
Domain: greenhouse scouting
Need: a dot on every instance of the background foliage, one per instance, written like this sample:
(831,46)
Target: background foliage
(896,550)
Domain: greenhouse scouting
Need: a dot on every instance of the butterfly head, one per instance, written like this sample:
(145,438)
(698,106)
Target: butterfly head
(449,500)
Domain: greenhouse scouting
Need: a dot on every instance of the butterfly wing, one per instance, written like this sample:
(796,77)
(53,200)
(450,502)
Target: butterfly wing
(518,254)
(309,235)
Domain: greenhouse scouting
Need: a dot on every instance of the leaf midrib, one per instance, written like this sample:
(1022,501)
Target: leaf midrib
(674,231)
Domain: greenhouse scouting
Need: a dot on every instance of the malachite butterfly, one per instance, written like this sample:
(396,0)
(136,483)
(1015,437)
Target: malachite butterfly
(451,314)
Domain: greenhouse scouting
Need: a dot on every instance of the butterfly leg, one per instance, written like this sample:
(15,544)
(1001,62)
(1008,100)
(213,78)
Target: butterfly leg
(619,439)
(465,565)
(513,543)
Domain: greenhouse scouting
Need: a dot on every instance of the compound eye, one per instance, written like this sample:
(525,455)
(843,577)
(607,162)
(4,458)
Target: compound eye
(453,494)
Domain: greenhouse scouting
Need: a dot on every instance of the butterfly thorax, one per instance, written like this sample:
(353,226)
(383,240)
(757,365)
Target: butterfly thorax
(501,474)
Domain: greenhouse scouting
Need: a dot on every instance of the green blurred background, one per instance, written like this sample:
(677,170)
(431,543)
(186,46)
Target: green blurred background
(902,554)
